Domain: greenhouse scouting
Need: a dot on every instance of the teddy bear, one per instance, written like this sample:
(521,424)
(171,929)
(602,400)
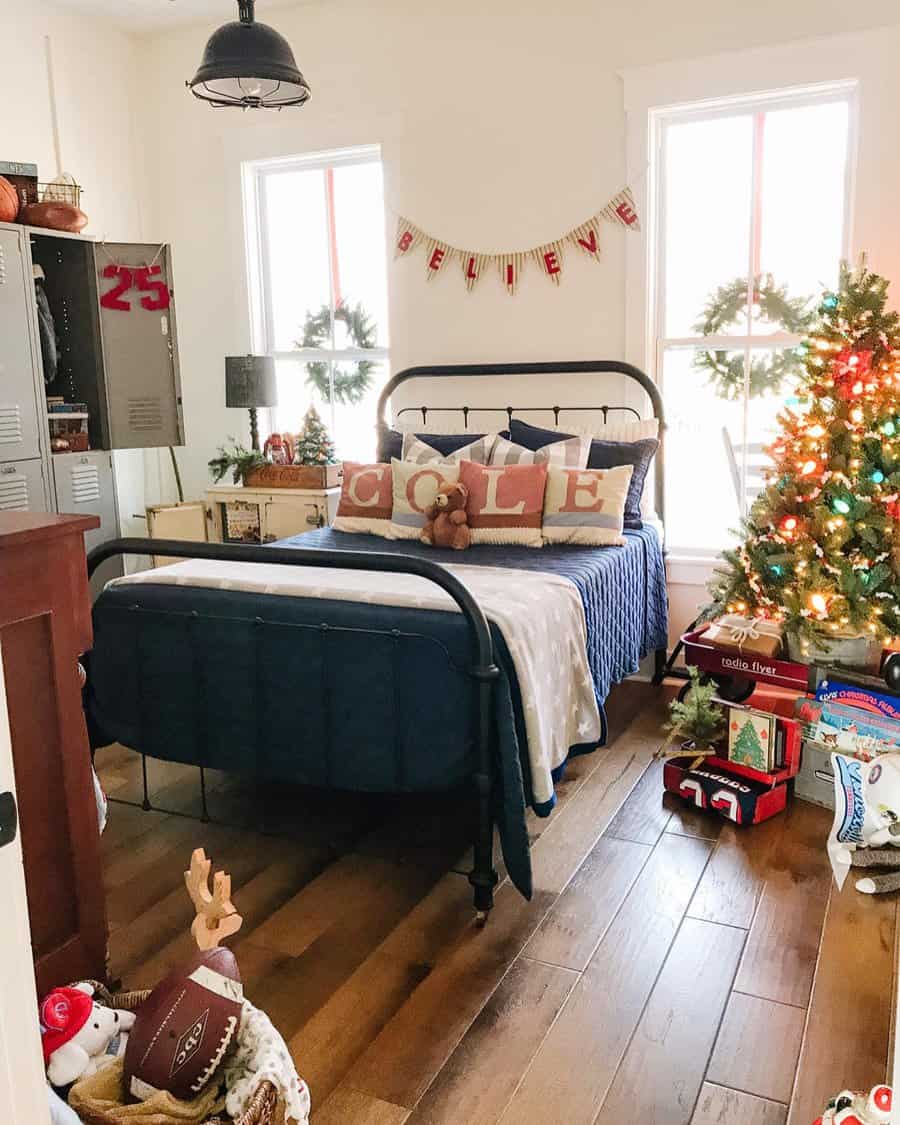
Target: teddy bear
(447,524)
(80,1036)
(851,1108)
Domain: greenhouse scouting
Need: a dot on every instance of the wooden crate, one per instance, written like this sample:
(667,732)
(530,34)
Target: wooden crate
(294,476)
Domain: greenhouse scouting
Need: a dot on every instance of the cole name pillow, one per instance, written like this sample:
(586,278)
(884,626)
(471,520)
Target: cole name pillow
(415,487)
(366,500)
(506,502)
(586,506)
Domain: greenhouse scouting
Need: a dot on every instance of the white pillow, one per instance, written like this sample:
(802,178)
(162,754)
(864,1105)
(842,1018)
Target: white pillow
(414,489)
(571,453)
(586,506)
(421,453)
(614,431)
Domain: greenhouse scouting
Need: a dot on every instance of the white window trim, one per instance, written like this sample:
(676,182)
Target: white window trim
(825,68)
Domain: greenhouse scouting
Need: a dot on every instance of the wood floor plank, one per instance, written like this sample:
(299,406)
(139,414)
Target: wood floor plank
(757,1047)
(687,820)
(577,1061)
(576,923)
(845,1046)
(728,1107)
(780,956)
(734,880)
(482,1073)
(350,1107)
(662,1072)
(643,817)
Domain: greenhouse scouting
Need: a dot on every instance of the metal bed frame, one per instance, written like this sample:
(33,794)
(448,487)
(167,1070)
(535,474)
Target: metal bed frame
(482,670)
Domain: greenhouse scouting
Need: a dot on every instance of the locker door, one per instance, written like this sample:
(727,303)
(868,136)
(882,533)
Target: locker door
(140,352)
(18,405)
(22,487)
(84,486)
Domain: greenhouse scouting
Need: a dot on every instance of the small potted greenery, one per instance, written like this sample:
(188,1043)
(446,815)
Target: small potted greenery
(236,459)
(697,722)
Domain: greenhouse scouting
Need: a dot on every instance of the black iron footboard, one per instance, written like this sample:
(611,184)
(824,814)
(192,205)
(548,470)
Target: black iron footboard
(483,876)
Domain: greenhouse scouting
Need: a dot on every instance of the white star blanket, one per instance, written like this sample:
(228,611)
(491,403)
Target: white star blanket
(540,615)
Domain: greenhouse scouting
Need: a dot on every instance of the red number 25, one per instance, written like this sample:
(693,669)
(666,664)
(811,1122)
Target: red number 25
(138,278)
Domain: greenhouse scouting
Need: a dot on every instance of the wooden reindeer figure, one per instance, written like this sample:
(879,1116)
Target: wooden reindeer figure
(216,918)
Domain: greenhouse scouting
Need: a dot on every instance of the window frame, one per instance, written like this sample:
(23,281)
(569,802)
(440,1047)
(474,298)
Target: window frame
(255,207)
(659,120)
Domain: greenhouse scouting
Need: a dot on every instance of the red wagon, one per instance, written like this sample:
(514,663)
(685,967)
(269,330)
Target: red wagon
(736,674)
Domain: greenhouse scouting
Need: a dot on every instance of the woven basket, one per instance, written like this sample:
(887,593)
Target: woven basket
(261,1110)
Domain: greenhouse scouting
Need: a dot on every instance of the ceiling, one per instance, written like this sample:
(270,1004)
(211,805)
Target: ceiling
(154,15)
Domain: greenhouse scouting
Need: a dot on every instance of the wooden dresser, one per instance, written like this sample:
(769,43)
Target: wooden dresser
(45,625)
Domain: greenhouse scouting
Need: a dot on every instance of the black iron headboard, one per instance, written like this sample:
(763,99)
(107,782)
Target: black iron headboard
(563,367)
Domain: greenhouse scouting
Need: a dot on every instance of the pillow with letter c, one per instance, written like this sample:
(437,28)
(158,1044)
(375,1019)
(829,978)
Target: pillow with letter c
(586,506)
(415,487)
(366,500)
(505,502)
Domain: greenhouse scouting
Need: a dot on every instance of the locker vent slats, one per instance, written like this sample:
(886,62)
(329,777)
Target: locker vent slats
(145,414)
(85,484)
(10,425)
(13,494)
(2,267)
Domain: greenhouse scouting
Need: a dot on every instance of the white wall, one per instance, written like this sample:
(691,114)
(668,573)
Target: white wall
(501,125)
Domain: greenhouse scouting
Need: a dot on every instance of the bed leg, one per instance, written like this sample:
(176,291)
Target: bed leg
(483,877)
(145,804)
(659,666)
(204,810)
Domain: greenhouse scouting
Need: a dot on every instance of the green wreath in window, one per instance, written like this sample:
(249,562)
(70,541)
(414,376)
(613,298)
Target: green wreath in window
(350,381)
(770,371)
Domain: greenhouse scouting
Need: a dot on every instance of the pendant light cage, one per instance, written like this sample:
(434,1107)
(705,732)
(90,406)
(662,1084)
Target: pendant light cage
(249,65)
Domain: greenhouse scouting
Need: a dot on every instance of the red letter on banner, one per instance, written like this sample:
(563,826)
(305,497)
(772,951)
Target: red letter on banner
(625,213)
(590,243)
(551,262)
(437,256)
(405,241)
(510,274)
(471,272)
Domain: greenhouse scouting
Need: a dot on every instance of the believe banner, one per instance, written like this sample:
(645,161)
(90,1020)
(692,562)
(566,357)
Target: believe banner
(548,257)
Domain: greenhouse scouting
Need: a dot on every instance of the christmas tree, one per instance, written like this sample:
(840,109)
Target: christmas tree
(821,546)
(748,749)
(314,444)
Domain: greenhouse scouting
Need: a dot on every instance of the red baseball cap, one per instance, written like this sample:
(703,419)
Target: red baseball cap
(64,1012)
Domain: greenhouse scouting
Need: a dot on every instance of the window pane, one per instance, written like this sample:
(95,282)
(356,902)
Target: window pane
(295,396)
(707,207)
(803,186)
(354,424)
(296,243)
(359,224)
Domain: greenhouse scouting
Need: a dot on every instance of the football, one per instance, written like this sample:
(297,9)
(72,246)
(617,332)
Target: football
(9,201)
(54,216)
(184,1028)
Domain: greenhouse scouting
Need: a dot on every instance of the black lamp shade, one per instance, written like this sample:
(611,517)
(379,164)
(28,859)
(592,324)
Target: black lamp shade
(248,65)
(250,381)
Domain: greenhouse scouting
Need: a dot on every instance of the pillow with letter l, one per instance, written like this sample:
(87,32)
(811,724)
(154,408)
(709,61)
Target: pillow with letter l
(415,487)
(506,502)
(586,506)
(366,500)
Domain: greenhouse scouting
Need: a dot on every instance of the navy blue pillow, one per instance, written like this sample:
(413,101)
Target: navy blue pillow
(603,455)
(445,444)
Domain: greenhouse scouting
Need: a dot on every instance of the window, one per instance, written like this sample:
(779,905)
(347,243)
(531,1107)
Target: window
(750,201)
(318,288)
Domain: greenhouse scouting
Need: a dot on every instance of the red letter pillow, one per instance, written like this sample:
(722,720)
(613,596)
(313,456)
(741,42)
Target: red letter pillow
(415,487)
(586,506)
(506,502)
(366,500)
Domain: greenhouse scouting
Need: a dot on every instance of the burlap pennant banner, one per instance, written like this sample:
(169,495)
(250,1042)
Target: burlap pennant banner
(548,257)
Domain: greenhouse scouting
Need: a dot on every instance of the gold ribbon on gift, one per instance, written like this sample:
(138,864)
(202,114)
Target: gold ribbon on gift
(547,256)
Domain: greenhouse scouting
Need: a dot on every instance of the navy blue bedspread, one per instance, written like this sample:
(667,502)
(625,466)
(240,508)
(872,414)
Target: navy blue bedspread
(377,699)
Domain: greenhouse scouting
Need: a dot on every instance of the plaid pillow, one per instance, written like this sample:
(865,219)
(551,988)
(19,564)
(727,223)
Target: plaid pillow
(505,502)
(366,500)
(418,451)
(571,453)
(415,487)
(586,506)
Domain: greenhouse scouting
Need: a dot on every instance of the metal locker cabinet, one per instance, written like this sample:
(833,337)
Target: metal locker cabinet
(84,485)
(19,418)
(140,350)
(22,486)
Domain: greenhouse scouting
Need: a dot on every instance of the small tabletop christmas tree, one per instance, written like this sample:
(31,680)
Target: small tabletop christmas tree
(821,549)
(314,444)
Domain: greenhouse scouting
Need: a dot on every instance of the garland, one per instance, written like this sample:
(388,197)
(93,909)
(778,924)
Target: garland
(768,372)
(349,383)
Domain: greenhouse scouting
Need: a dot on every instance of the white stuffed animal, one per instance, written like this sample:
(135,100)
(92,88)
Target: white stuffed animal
(80,1036)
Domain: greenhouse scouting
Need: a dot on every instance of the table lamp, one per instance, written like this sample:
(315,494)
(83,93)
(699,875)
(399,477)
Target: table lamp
(250,383)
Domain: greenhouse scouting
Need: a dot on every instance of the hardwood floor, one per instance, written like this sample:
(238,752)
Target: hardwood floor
(670,969)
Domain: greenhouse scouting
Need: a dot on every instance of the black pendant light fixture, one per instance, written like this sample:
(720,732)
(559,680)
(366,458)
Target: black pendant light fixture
(248,65)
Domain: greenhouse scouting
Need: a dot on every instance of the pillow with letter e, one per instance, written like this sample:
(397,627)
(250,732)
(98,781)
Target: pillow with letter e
(506,502)
(366,500)
(586,506)
(415,487)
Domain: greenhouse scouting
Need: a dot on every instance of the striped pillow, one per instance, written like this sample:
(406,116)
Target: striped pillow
(421,453)
(571,453)
(415,487)
(586,506)
(366,500)
(505,502)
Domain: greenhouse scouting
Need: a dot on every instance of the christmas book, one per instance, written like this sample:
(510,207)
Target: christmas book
(751,738)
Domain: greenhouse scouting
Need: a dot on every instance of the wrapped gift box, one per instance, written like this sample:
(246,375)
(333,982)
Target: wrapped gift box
(745,634)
